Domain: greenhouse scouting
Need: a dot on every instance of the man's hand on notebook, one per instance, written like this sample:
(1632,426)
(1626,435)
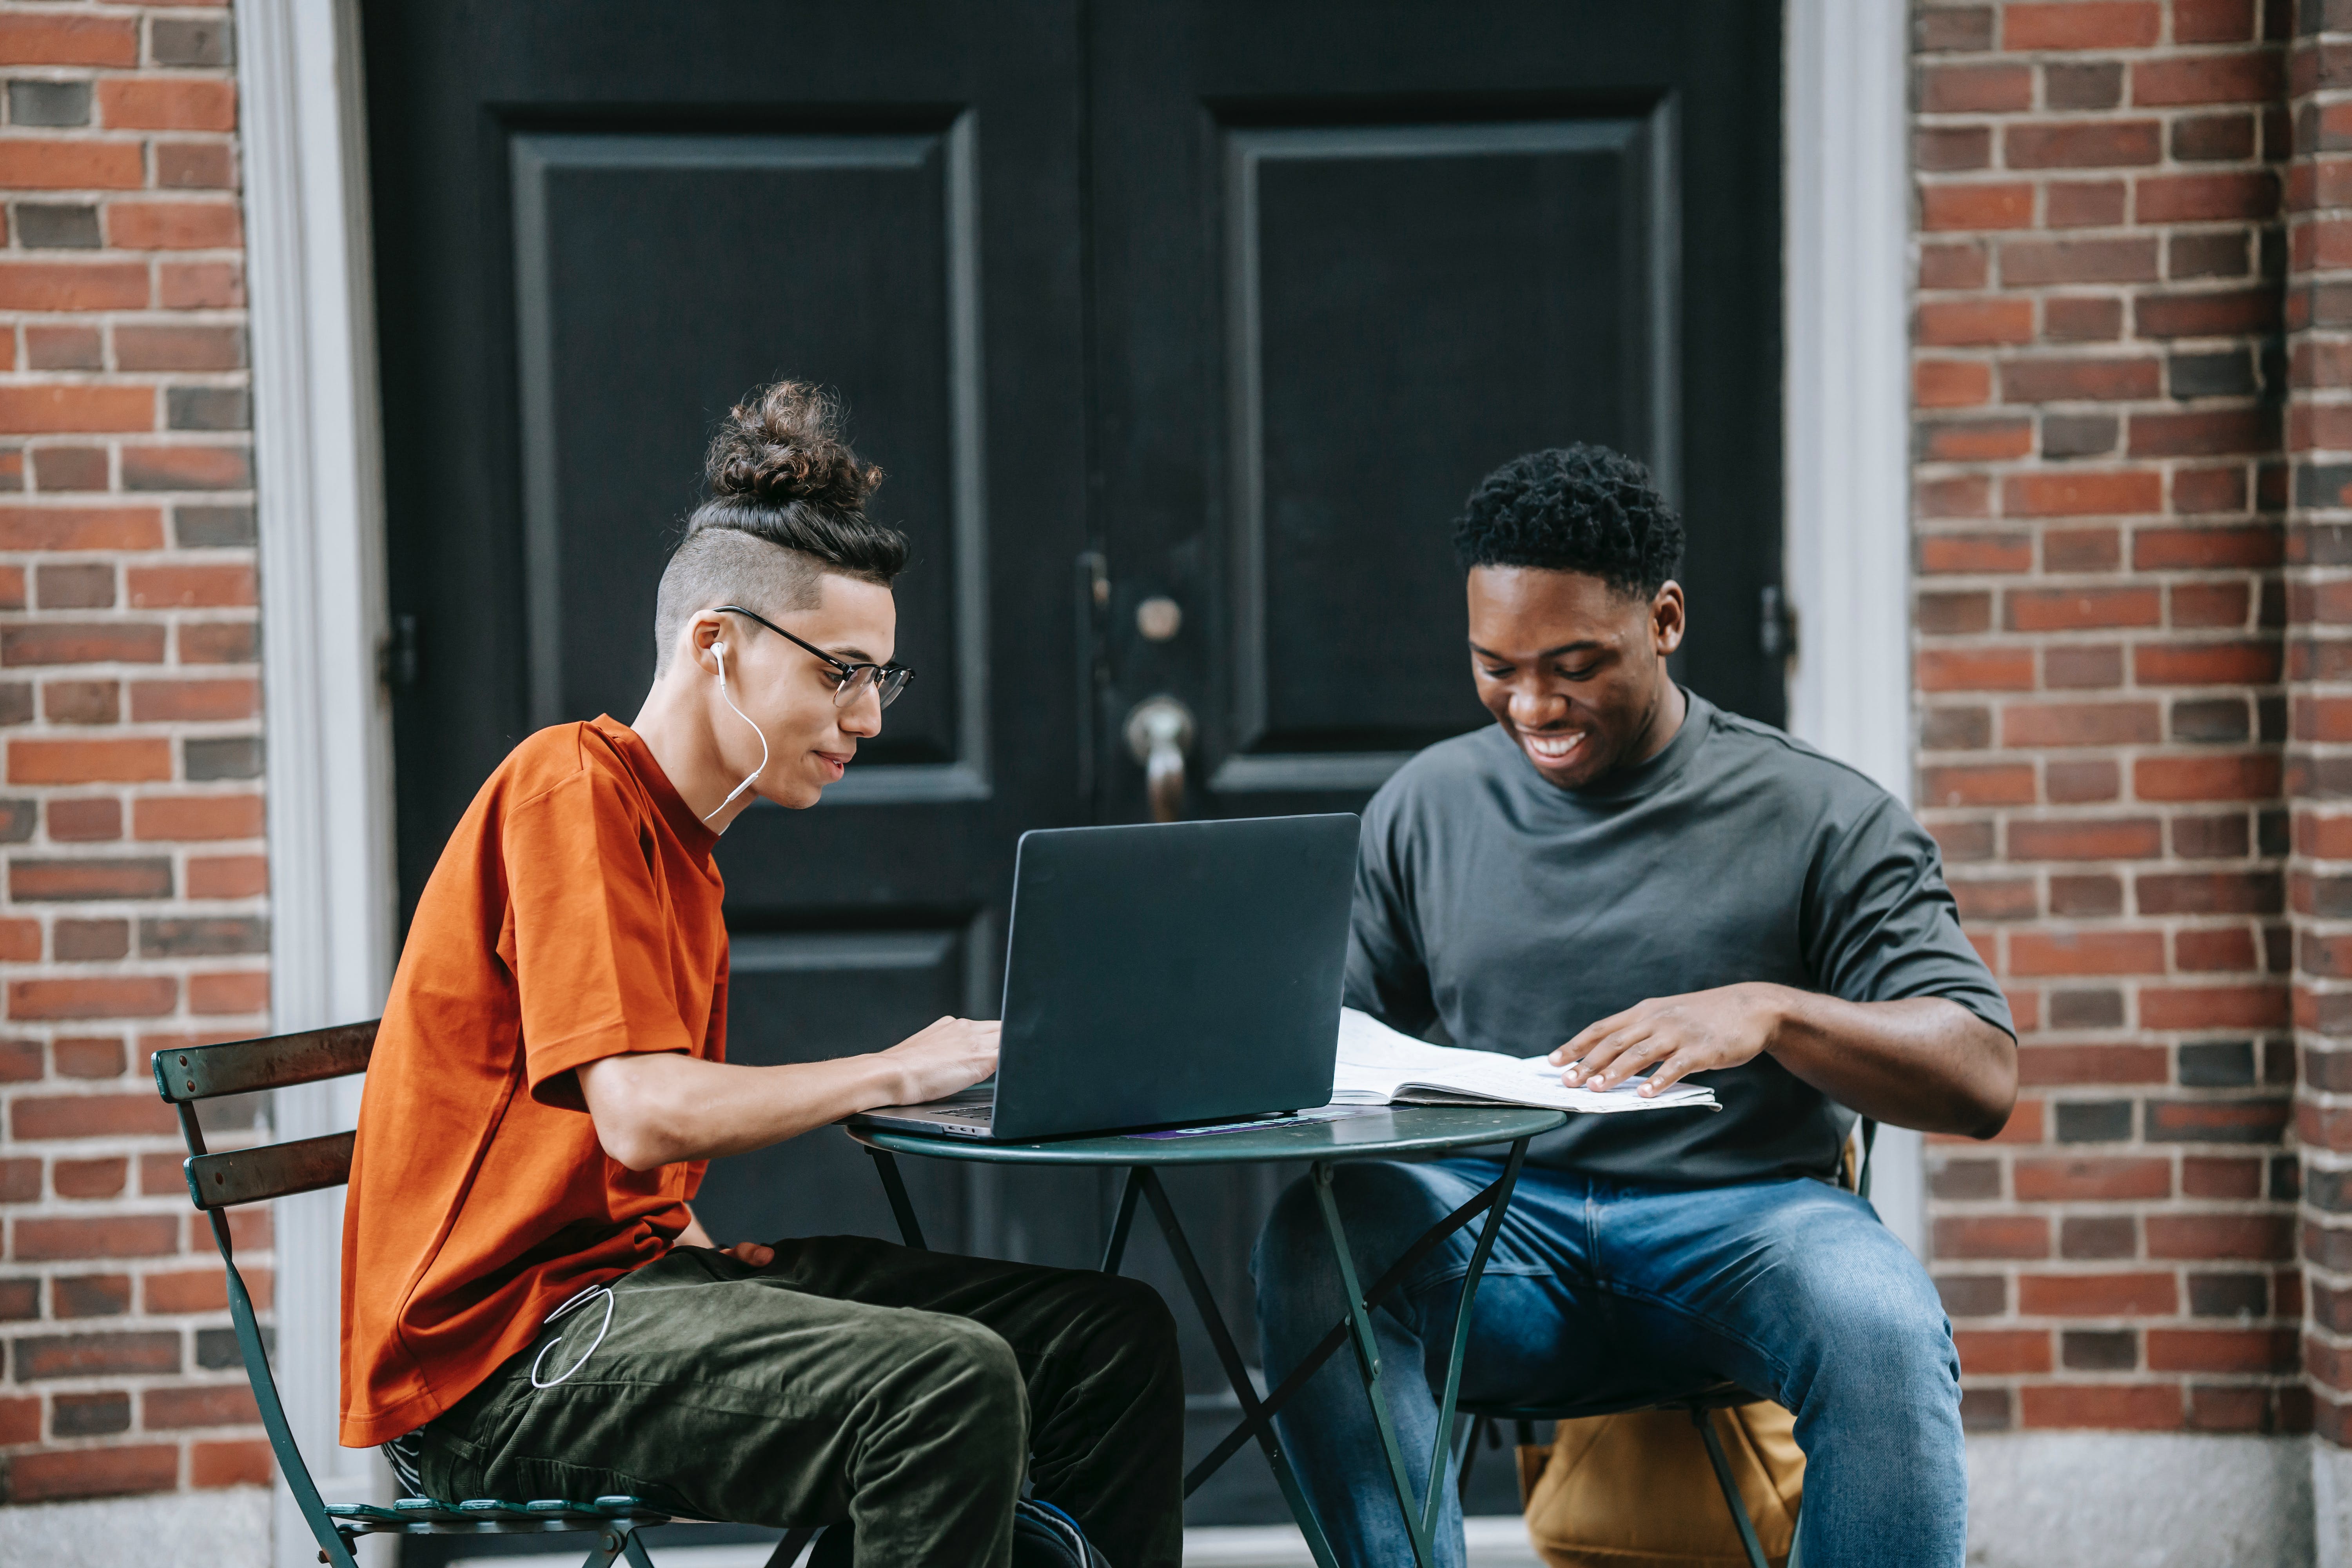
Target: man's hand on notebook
(1675,1035)
(946,1058)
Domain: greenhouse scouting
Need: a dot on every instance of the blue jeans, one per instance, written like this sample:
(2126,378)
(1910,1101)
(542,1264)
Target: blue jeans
(1600,1289)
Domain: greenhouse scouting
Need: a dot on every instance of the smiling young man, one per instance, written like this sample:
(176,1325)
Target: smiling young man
(530,1308)
(1622,874)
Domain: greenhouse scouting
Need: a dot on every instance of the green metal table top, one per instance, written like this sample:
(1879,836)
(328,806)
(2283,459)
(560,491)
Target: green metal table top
(1371,1133)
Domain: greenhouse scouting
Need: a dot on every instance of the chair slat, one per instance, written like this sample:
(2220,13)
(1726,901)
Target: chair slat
(241,1066)
(280,1170)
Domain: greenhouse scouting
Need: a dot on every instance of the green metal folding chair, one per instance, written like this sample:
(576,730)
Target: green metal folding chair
(217,1182)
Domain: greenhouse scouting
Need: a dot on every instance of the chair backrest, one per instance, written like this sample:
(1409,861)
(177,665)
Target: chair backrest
(219,1181)
(198,1073)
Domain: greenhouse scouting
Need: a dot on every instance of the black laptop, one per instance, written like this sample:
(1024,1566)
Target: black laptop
(1155,976)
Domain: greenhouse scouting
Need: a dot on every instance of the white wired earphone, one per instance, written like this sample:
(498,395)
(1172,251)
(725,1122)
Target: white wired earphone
(718,652)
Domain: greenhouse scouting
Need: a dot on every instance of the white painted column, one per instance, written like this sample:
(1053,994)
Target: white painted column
(1848,411)
(328,722)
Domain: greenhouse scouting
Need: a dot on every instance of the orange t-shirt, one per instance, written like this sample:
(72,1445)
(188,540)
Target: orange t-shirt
(575,915)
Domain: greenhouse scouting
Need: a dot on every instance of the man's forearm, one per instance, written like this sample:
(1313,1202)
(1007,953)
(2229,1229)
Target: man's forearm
(657,1109)
(1924,1062)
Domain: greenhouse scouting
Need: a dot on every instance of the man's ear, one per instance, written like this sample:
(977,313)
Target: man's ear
(703,631)
(1666,623)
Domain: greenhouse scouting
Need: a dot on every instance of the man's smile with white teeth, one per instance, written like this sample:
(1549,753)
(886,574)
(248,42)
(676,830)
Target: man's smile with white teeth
(1553,747)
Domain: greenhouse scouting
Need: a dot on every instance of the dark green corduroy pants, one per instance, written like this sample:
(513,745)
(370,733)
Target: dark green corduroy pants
(906,1392)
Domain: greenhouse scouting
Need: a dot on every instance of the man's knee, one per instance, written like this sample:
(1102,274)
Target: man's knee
(964,1373)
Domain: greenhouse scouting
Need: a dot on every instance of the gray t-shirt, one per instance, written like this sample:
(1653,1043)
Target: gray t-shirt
(1516,912)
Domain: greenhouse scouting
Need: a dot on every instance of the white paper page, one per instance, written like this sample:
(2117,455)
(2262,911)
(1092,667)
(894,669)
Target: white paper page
(1375,1062)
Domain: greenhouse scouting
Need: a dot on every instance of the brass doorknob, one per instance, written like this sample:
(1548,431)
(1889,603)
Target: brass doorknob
(1159,733)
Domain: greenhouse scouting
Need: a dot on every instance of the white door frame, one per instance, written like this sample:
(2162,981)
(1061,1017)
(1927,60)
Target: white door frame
(319,497)
(318,444)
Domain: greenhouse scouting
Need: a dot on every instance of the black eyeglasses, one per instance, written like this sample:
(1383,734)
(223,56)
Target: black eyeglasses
(851,680)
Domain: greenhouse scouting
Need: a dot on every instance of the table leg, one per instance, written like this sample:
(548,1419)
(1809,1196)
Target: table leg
(1421,1524)
(1329,1346)
(1254,1416)
(1115,1251)
(895,1186)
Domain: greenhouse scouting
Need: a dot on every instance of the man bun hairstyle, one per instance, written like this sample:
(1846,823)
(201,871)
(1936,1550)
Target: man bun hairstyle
(1573,509)
(786,506)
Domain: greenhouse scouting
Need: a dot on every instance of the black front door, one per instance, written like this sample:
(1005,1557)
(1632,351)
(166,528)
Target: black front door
(1181,328)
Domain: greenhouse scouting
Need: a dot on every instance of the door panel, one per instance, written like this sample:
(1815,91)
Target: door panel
(649,262)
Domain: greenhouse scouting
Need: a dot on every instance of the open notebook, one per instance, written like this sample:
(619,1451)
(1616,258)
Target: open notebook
(1379,1066)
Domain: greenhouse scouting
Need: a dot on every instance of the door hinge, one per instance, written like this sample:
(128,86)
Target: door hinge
(1776,623)
(397,660)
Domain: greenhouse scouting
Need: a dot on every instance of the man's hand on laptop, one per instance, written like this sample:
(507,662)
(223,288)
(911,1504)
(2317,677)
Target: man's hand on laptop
(946,1058)
(655,1107)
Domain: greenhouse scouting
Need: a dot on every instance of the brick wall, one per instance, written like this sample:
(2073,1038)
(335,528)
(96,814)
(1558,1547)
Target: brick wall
(2099,375)
(2319,622)
(130,814)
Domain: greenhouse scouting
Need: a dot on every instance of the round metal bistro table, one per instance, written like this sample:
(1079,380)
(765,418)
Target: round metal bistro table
(1369,1134)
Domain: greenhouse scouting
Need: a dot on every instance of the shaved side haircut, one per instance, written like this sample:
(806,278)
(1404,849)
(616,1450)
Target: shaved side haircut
(787,505)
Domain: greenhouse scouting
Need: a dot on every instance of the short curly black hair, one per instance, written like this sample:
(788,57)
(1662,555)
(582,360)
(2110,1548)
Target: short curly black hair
(1573,509)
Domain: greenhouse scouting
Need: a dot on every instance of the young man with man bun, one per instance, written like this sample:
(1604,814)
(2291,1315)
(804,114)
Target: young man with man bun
(531,1309)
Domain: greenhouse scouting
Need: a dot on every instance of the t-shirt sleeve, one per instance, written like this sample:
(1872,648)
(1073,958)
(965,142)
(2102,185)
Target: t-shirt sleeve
(1387,975)
(1881,926)
(590,939)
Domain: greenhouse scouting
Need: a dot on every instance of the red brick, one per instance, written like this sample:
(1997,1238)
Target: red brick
(1976,440)
(186,469)
(38,410)
(179,348)
(2212,1008)
(2099,1295)
(1957,495)
(82,527)
(1992,1236)
(32,880)
(198,1289)
(2093,1064)
(210,995)
(218,642)
(182,818)
(48,39)
(2081,724)
(173,225)
(171,588)
(115,1235)
(2242,77)
(59,1474)
(20,1421)
(2075,609)
(2079,145)
(2213,952)
(1988,89)
(1950,383)
(1953,266)
(2116,1407)
(2217,313)
(2059,380)
(2220,1178)
(2243,777)
(2213,664)
(88,1055)
(2087,953)
(229,1464)
(2220,1350)
(2005,205)
(2077,493)
(167,103)
(1997,1353)
(2092,1180)
(101,1178)
(90,821)
(2213,21)
(2084,204)
(1967,322)
(2082,25)
(40,762)
(218,1404)
(165,702)
(2195,1236)
(113,996)
(227,877)
(1997,785)
(2002,898)
(194,166)
(2189,199)
(1976,552)
(2198,490)
(1974,669)
(28,163)
(2201,604)
(199,285)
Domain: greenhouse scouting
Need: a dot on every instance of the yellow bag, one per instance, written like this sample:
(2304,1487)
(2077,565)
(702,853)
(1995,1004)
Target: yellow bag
(1635,1490)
